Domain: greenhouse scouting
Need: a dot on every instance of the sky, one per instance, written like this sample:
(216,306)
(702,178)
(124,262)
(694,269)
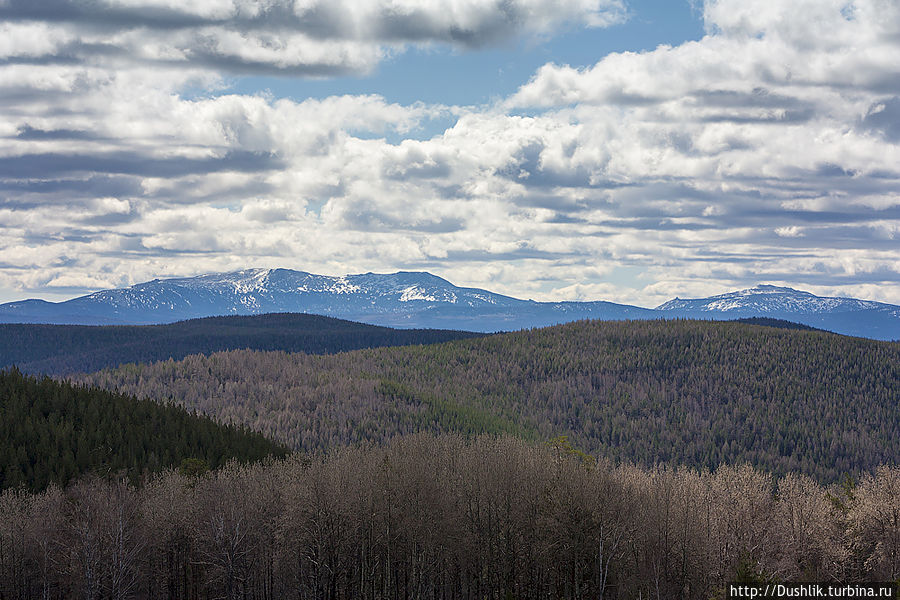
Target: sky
(623,150)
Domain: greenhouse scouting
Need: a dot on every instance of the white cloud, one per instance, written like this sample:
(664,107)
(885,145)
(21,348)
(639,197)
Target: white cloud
(309,37)
(755,154)
(792,232)
(753,45)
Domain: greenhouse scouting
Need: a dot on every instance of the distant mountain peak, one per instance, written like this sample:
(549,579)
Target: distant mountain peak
(768,287)
(767,299)
(420,299)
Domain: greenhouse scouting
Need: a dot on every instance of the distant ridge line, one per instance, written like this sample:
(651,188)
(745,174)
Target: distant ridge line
(409,299)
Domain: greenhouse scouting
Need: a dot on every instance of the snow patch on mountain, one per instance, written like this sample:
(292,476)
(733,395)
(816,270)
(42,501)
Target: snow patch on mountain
(340,285)
(415,293)
(418,299)
(770,299)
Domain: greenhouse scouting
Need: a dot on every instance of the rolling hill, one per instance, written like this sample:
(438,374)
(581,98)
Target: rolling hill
(696,393)
(54,432)
(61,349)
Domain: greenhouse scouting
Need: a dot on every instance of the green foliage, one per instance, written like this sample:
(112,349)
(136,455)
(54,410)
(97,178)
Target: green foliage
(193,467)
(844,494)
(679,392)
(748,571)
(445,415)
(52,432)
(564,447)
(779,323)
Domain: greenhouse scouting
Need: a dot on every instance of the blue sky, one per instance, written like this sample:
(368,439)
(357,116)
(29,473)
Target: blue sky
(444,75)
(576,149)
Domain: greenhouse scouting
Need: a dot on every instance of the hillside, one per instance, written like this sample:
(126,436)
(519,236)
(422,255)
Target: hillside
(61,349)
(685,392)
(52,432)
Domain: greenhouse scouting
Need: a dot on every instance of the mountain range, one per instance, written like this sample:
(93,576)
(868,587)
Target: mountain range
(423,300)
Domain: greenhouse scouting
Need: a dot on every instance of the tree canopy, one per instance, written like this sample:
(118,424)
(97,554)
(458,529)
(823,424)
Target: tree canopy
(694,393)
(52,432)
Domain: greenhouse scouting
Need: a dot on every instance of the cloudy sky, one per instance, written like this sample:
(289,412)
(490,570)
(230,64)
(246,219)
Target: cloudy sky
(626,150)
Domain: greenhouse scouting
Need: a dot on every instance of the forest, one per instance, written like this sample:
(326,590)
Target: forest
(617,460)
(693,393)
(446,517)
(62,349)
(52,433)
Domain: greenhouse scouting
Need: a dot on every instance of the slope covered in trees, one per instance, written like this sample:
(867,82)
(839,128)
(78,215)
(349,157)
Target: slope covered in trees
(781,323)
(61,349)
(51,432)
(444,518)
(680,392)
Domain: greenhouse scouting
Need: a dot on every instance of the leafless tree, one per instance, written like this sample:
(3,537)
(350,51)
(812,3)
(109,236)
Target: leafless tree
(874,523)
(104,539)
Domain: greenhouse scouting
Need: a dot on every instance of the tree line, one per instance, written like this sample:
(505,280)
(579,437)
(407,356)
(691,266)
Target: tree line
(53,432)
(694,393)
(62,349)
(445,517)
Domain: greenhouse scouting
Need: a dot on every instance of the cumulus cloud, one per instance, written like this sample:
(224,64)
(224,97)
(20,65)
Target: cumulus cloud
(780,121)
(766,151)
(301,37)
(754,49)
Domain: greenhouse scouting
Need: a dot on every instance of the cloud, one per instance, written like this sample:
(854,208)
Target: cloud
(884,117)
(306,37)
(769,54)
(791,231)
(49,165)
(766,151)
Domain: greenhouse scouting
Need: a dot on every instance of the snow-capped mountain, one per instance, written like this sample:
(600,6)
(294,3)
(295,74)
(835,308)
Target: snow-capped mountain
(863,318)
(765,300)
(405,299)
(417,299)
(256,291)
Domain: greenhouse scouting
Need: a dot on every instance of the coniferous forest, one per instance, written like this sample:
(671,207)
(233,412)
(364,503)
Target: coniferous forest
(693,393)
(588,460)
(635,266)
(62,349)
(52,432)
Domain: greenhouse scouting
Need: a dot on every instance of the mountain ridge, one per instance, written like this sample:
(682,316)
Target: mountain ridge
(784,297)
(418,299)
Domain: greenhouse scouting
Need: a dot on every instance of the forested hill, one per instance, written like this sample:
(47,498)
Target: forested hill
(61,349)
(780,323)
(686,392)
(52,432)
